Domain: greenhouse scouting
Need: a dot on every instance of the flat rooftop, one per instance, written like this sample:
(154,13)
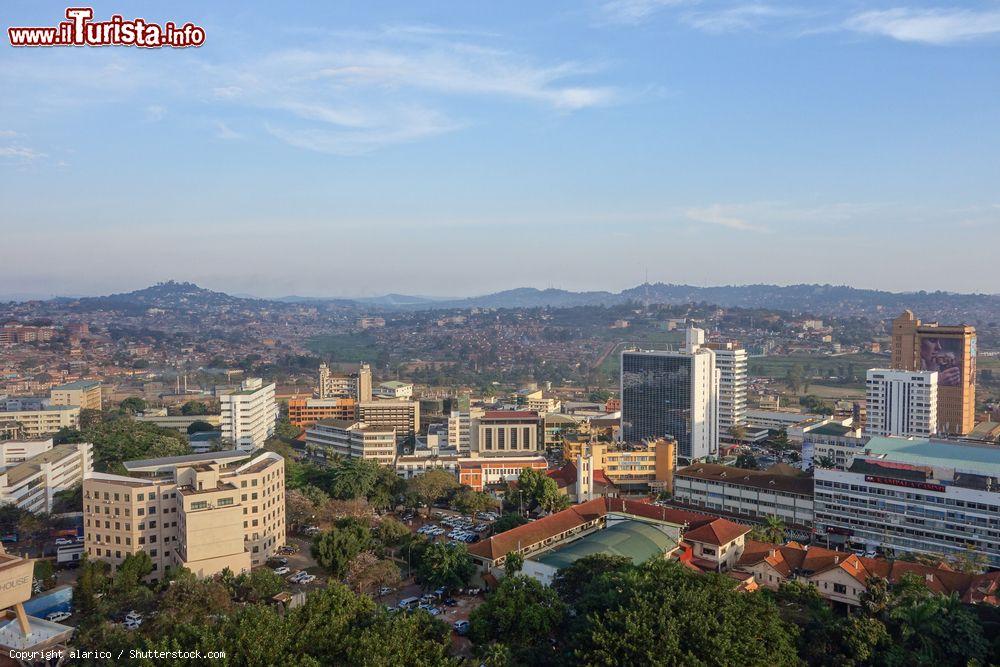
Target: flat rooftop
(636,540)
(28,468)
(78,384)
(982,459)
(151,465)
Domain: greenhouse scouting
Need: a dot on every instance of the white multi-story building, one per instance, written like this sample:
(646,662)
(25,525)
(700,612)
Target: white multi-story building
(393,389)
(37,418)
(672,394)
(731,365)
(914,495)
(460,432)
(902,403)
(34,471)
(249,415)
(352,439)
(754,494)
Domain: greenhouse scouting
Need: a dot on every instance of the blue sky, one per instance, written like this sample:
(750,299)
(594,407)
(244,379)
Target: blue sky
(453,148)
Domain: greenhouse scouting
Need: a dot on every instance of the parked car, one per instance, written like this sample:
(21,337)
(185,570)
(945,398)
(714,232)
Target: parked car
(462,627)
(408,603)
(439,592)
(58,616)
(384,590)
(450,602)
(132,625)
(133,616)
(63,541)
(282,570)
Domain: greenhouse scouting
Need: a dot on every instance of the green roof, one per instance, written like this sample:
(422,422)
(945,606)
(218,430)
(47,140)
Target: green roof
(982,459)
(79,384)
(637,540)
(830,429)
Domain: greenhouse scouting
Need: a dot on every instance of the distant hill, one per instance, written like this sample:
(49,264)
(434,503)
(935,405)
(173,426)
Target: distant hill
(820,300)
(831,300)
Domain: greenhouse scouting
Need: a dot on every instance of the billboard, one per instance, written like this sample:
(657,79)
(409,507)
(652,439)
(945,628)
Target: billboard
(943,355)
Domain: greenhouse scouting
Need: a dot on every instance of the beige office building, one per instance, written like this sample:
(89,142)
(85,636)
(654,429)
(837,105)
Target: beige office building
(84,393)
(404,416)
(352,439)
(951,352)
(205,512)
(39,421)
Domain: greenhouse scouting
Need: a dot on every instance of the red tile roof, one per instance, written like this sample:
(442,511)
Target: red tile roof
(510,414)
(718,532)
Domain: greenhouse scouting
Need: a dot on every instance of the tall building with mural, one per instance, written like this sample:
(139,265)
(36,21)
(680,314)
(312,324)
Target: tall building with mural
(951,352)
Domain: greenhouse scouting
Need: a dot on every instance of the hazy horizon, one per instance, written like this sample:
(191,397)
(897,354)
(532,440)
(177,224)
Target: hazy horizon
(460,149)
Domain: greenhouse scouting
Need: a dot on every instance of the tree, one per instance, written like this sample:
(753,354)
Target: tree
(780,441)
(507,522)
(299,508)
(445,564)
(132,405)
(390,532)
(431,485)
(513,563)
(969,561)
(746,461)
(194,408)
(368,570)
(470,502)
(199,427)
(521,613)
(774,529)
(549,498)
(571,581)
(335,548)
(737,432)
(659,613)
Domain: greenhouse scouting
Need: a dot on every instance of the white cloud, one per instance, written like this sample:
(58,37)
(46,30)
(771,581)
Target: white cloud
(223,131)
(155,113)
(635,11)
(929,26)
(8,133)
(737,18)
(724,216)
(20,153)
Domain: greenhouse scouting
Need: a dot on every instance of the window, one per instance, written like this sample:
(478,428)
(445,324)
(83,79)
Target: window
(199,505)
(840,588)
(224,502)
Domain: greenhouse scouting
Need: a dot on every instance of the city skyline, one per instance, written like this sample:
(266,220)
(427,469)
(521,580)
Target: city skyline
(697,141)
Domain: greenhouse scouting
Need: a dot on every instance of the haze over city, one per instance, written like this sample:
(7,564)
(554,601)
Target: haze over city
(466,149)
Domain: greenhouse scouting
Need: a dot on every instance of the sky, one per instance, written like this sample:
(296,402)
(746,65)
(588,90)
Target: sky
(459,148)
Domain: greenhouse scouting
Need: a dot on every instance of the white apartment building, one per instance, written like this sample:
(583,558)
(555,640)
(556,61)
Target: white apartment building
(249,415)
(672,394)
(731,365)
(353,439)
(35,471)
(914,495)
(393,390)
(902,403)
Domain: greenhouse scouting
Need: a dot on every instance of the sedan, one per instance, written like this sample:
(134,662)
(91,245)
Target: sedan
(58,616)
(282,570)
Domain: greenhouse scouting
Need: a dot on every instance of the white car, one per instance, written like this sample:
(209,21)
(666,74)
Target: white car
(131,625)
(133,617)
(282,570)
(63,541)
(58,616)
(308,579)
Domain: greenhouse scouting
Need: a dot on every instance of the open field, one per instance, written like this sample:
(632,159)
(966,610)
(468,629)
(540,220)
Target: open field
(816,366)
(345,347)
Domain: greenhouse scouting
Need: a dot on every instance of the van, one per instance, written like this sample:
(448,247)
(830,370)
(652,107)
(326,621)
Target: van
(408,603)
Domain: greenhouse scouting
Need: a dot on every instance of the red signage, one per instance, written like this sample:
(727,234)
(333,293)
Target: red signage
(925,486)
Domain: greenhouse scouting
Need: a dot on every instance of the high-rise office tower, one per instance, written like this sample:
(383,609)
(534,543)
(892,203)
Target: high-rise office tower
(731,365)
(672,394)
(902,403)
(949,350)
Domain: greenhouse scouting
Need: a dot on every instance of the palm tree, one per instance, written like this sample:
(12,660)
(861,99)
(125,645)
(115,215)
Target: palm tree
(774,529)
